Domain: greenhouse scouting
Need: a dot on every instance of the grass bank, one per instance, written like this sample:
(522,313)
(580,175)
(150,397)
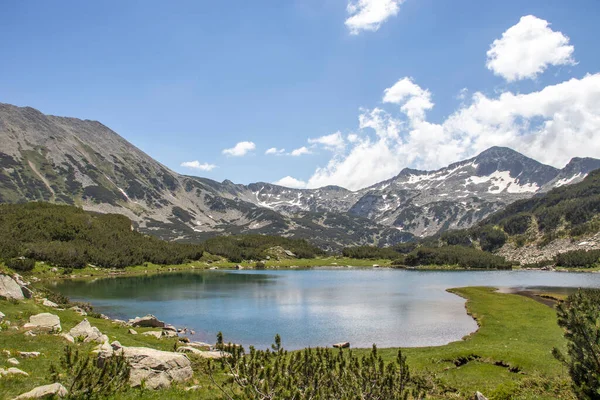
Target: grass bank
(508,357)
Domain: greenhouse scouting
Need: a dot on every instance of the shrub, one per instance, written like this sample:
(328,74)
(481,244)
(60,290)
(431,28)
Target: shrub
(457,238)
(578,259)
(490,238)
(456,255)
(21,264)
(260,265)
(517,225)
(578,316)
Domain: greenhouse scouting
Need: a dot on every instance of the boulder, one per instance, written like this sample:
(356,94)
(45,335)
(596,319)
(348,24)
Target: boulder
(10,289)
(156,334)
(2,316)
(289,253)
(200,345)
(479,396)
(68,337)
(53,269)
(169,334)
(156,368)
(13,361)
(187,349)
(46,391)
(12,371)
(78,310)
(132,332)
(44,322)
(29,354)
(342,345)
(28,293)
(149,321)
(49,303)
(168,327)
(87,332)
(29,333)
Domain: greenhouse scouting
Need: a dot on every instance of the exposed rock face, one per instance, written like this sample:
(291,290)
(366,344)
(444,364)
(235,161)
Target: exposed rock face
(87,332)
(149,321)
(155,367)
(46,391)
(10,289)
(44,322)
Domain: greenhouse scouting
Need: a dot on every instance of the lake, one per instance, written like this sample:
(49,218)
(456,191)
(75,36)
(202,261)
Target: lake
(315,307)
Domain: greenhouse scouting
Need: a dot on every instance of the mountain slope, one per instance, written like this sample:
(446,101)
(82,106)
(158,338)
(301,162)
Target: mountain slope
(82,162)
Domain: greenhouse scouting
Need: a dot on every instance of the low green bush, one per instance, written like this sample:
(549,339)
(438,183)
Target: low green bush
(578,259)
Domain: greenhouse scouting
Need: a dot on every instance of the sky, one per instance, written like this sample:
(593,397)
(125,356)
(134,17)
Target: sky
(309,93)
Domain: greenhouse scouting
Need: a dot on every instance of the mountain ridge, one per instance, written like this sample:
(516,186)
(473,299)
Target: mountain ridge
(83,162)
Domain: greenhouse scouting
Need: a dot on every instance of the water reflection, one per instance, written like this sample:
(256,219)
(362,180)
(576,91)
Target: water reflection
(311,307)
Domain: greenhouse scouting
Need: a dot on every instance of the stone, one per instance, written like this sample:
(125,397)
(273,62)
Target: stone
(41,392)
(49,303)
(169,334)
(289,253)
(184,340)
(78,310)
(29,354)
(132,332)
(168,327)
(376,265)
(84,330)
(28,293)
(68,338)
(195,387)
(2,316)
(6,353)
(200,345)
(53,269)
(156,334)
(44,322)
(13,361)
(12,371)
(10,289)
(149,321)
(30,334)
(479,396)
(239,267)
(188,349)
(156,368)
(342,345)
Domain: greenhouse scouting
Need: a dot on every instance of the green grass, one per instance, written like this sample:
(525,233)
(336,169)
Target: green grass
(514,330)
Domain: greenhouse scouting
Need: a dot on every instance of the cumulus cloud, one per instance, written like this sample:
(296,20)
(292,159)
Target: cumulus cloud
(368,15)
(526,49)
(275,151)
(291,182)
(197,165)
(333,142)
(240,149)
(551,125)
(300,151)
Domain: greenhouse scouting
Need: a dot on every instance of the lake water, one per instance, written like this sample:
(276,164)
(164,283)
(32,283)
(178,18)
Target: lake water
(316,307)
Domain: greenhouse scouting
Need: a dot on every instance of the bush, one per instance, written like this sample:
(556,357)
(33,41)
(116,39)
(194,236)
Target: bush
(260,265)
(457,238)
(456,255)
(321,373)
(578,316)
(490,238)
(21,264)
(517,225)
(370,252)
(578,259)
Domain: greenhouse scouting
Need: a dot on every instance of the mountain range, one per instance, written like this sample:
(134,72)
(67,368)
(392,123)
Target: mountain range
(82,162)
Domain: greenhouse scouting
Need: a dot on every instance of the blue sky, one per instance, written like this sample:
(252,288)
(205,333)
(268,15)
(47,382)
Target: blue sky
(186,81)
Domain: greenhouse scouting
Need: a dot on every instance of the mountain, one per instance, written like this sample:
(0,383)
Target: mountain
(82,162)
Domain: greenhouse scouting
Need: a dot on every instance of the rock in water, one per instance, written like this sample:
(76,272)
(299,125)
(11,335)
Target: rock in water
(342,345)
(41,392)
(44,322)
(10,289)
(88,332)
(149,321)
(155,367)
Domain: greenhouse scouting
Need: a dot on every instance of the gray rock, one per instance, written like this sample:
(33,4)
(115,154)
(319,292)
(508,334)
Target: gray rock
(13,361)
(29,354)
(132,332)
(156,334)
(10,289)
(149,321)
(156,368)
(87,332)
(169,334)
(49,303)
(40,392)
(28,293)
(44,322)
(289,253)
(479,396)
(12,371)
(78,310)
(342,345)
(2,316)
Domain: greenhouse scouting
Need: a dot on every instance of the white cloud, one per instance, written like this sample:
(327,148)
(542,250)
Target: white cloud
(333,142)
(197,165)
(414,100)
(291,182)
(352,138)
(240,149)
(551,125)
(527,49)
(368,15)
(300,151)
(275,151)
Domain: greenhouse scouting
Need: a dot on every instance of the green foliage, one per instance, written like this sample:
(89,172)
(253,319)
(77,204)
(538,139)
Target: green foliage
(578,259)
(490,238)
(457,238)
(319,373)
(370,252)
(85,378)
(579,316)
(20,264)
(255,247)
(455,255)
(259,265)
(67,236)
(517,225)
